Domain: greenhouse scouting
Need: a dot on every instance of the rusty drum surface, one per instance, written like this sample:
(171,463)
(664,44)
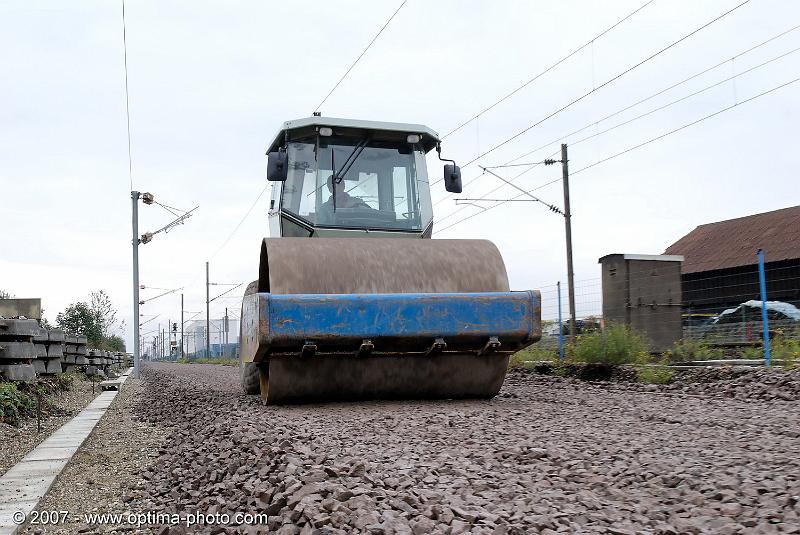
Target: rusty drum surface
(304,266)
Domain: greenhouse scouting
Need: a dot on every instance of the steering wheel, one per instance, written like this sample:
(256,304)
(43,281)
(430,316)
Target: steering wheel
(359,219)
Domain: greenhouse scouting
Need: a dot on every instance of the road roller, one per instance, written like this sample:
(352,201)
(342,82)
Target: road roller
(354,300)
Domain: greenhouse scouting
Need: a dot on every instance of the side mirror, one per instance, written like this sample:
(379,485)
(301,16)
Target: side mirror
(452,178)
(277,166)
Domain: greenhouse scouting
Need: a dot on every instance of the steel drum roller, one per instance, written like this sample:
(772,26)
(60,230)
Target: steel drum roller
(301,266)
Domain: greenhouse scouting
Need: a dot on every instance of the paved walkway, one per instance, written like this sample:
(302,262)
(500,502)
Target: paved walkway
(28,481)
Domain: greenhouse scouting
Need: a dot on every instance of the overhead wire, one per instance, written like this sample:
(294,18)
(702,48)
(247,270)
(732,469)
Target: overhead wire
(510,163)
(360,56)
(604,84)
(177,212)
(548,69)
(127,99)
(241,221)
(695,93)
(659,108)
(657,93)
(629,149)
(264,189)
(493,190)
(380,31)
(250,210)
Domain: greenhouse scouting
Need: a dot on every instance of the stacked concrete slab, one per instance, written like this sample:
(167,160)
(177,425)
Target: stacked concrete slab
(97,363)
(17,349)
(120,360)
(49,351)
(75,352)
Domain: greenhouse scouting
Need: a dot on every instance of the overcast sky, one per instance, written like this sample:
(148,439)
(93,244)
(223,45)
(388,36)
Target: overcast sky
(210,82)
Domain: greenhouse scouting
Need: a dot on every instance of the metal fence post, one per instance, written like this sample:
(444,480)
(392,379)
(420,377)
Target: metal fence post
(762,283)
(560,328)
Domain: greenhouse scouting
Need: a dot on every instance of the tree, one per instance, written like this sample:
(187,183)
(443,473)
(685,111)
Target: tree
(115,343)
(104,311)
(106,316)
(44,324)
(96,320)
(79,320)
(5,294)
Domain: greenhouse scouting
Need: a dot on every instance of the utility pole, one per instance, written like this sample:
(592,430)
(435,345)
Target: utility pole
(568,225)
(181,325)
(208,318)
(147,198)
(225,325)
(135,242)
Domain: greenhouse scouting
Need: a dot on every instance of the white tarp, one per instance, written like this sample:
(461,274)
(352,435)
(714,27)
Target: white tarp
(788,310)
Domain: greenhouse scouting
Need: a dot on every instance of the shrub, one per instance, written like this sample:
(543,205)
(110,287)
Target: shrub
(787,350)
(64,381)
(687,349)
(618,344)
(15,404)
(753,352)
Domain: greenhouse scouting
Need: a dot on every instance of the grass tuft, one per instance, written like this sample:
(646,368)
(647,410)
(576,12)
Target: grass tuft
(533,353)
(654,375)
(617,344)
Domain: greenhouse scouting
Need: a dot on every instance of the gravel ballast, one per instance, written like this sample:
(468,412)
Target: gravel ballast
(100,477)
(547,455)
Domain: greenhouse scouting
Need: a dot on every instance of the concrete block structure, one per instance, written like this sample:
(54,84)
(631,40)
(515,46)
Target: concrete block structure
(644,293)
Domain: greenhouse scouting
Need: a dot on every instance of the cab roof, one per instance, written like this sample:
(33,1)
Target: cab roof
(306,126)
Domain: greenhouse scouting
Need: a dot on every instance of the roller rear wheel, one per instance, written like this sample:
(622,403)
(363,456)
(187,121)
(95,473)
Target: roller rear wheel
(248,371)
(250,376)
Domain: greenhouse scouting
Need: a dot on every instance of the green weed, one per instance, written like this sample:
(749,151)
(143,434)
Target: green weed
(220,361)
(686,350)
(15,404)
(786,350)
(654,375)
(617,344)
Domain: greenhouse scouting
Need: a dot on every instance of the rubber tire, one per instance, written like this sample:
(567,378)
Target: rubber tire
(248,371)
(251,381)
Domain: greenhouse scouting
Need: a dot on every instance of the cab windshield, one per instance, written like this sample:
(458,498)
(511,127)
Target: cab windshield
(377,185)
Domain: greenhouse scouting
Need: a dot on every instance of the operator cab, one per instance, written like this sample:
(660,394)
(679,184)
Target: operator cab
(344,177)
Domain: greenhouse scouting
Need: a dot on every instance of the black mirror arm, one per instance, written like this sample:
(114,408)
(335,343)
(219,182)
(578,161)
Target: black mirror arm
(439,153)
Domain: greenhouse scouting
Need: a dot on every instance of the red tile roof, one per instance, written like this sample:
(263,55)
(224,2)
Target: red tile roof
(734,242)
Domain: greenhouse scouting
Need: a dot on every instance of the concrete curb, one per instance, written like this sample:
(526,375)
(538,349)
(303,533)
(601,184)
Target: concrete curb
(26,483)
